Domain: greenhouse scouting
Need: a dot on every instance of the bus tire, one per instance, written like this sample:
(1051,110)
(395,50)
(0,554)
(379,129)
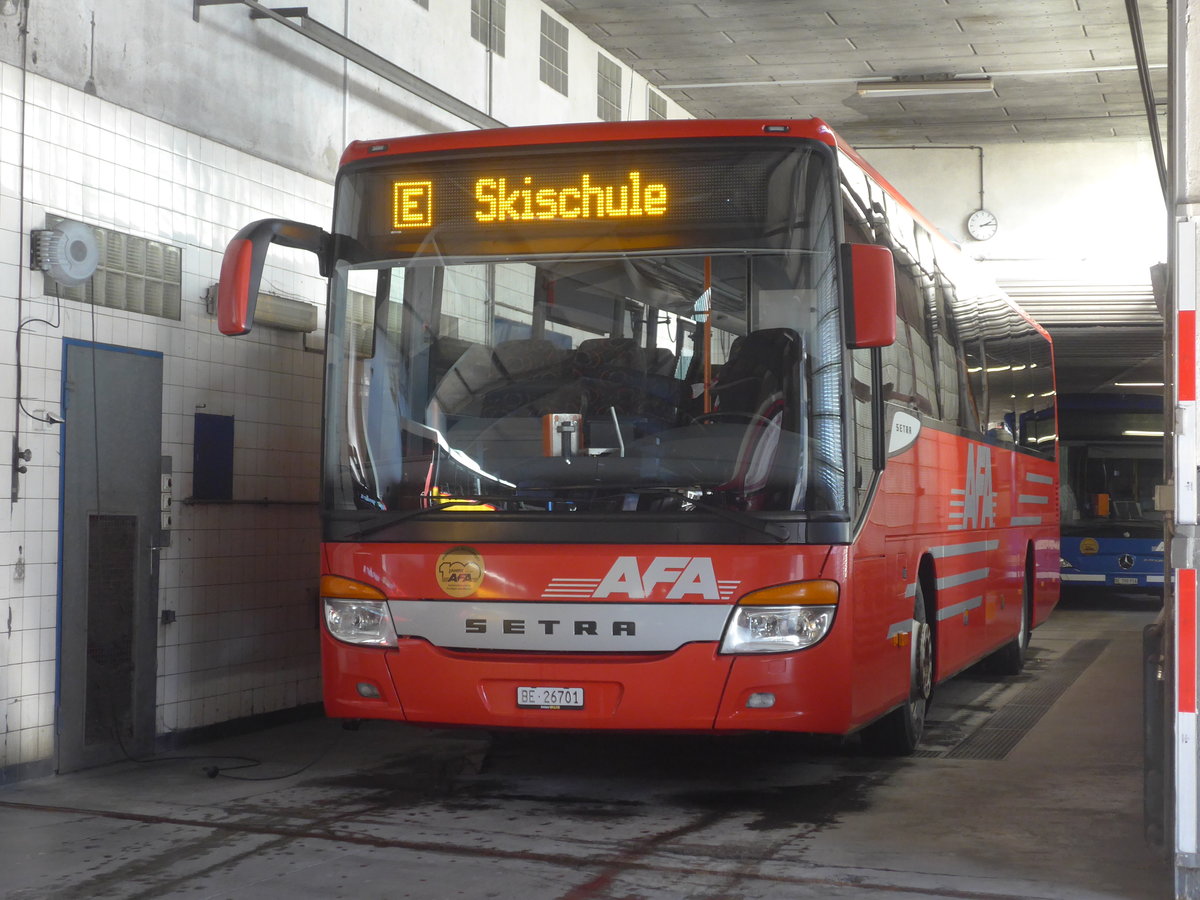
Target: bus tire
(899,732)
(1010,659)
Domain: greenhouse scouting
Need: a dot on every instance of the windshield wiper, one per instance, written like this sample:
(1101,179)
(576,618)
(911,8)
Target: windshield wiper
(386,520)
(770,529)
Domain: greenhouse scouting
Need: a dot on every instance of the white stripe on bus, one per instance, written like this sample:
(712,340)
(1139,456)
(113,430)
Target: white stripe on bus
(957,609)
(963,578)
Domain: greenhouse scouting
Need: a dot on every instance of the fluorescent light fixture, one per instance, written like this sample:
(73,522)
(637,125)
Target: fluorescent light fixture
(1135,433)
(916,87)
(1138,384)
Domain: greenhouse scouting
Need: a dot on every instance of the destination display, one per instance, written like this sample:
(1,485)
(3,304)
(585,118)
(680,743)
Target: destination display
(617,197)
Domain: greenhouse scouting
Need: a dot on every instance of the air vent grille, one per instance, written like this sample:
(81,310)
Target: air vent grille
(135,274)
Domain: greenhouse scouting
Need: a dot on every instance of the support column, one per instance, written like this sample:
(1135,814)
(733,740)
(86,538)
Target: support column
(1180,611)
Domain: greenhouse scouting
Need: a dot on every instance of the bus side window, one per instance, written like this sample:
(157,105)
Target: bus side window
(862,397)
(971,365)
(1040,429)
(1000,359)
(938,294)
(899,382)
(913,316)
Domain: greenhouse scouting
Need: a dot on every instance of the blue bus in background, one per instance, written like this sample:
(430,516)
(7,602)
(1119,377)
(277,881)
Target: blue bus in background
(1111,454)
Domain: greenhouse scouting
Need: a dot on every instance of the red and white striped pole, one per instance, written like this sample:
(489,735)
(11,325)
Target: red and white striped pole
(1187,461)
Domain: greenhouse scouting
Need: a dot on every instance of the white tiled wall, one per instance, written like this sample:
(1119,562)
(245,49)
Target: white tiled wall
(241,579)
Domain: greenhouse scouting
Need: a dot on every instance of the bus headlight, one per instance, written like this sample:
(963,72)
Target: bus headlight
(782,618)
(360,622)
(356,613)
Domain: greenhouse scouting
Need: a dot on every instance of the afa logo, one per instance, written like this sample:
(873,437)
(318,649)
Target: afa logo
(686,575)
(979,508)
(460,571)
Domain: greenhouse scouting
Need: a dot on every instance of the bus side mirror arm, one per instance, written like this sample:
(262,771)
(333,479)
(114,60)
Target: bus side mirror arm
(869,295)
(242,266)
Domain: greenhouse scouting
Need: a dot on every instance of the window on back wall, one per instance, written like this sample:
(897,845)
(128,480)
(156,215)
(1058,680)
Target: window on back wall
(656,105)
(134,274)
(608,89)
(554,54)
(487,16)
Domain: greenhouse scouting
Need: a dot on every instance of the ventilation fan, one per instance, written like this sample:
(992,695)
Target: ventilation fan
(66,253)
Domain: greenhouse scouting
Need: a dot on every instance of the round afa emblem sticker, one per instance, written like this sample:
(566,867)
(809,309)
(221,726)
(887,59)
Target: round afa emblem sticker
(460,571)
(1089,546)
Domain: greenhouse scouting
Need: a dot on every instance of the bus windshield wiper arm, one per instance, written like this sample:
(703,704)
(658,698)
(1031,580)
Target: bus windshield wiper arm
(386,519)
(771,529)
(403,515)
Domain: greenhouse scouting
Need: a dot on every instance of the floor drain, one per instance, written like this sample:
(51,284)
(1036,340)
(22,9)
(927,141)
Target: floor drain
(999,733)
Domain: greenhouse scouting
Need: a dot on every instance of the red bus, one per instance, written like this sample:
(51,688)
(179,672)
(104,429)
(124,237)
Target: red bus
(673,425)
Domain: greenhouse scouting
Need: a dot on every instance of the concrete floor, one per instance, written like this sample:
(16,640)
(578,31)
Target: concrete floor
(1024,788)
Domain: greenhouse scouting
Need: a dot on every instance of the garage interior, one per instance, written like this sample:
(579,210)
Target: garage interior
(1034,787)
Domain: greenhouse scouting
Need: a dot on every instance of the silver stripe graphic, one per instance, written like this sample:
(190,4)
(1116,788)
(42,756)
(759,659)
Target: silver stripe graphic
(958,609)
(1033,498)
(1027,520)
(559,627)
(964,549)
(905,627)
(1038,479)
(582,593)
(962,578)
(1070,577)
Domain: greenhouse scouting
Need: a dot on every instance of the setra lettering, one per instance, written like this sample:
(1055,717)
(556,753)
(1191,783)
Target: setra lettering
(581,627)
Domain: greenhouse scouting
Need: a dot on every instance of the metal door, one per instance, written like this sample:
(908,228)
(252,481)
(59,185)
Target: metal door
(108,601)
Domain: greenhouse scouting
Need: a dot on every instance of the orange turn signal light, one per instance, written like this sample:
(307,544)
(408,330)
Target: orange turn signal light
(796,593)
(348,589)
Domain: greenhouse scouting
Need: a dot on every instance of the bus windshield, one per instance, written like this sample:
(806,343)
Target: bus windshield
(688,364)
(626,383)
(1111,484)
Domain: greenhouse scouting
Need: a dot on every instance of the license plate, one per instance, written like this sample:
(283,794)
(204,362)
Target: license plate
(1125,581)
(550,698)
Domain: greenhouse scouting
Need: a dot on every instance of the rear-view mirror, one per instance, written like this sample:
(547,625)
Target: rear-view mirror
(242,266)
(869,295)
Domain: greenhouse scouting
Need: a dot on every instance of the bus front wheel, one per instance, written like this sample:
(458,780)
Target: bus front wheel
(899,732)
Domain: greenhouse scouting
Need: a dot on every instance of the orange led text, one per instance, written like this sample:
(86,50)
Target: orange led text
(503,201)
(412,204)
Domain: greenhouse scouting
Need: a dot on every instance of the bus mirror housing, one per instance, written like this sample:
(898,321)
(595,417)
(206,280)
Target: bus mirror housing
(242,266)
(869,276)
